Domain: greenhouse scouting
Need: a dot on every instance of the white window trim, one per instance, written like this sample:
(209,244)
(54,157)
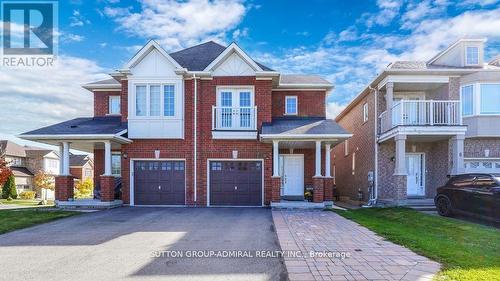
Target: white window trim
(473,99)
(116,153)
(233,90)
(466,62)
(296,105)
(148,84)
(353,163)
(476,96)
(109,104)
(346,147)
(365,112)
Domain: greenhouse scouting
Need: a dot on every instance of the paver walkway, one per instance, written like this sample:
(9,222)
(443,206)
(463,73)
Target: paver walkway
(367,255)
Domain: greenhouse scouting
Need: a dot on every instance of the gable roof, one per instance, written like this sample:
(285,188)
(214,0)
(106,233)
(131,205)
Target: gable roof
(83,126)
(12,149)
(303,126)
(197,58)
(440,54)
(144,51)
(21,172)
(76,160)
(233,48)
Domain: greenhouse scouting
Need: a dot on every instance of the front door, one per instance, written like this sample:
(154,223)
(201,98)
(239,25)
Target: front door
(415,180)
(293,175)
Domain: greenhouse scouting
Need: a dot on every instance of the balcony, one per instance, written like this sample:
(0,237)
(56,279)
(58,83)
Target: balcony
(234,122)
(421,113)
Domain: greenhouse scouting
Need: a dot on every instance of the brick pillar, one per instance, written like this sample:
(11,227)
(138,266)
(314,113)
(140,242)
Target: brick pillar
(276,189)
(107,188)
(400,187)
(64,188)
(328,189)
(318,193)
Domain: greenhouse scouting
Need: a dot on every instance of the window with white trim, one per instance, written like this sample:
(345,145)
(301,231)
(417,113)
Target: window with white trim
(291,105)
(365,112)
(346,147)
(116,164)
(353,163)
(490,98)
(154,100)
(480,99)
(114,105)
(471,55)
(467,100)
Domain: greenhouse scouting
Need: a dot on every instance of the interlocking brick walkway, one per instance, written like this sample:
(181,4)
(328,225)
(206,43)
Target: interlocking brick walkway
(370,256)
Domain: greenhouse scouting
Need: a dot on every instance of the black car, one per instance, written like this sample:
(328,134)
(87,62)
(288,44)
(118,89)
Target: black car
(473,194)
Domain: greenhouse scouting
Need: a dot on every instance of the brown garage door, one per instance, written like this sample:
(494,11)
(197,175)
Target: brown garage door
(235,183)
(159,183)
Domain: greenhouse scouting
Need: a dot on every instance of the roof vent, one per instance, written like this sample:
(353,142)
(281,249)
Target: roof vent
(73,126)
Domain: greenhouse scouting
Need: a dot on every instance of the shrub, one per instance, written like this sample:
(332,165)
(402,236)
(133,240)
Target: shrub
(28,195)
(9,188)
(83,189)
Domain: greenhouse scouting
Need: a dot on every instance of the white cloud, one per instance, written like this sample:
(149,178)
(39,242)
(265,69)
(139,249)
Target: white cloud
(69,37)
(37,97)
(77,19)
(178,24)
(333,109)
(388,10)
(240,33)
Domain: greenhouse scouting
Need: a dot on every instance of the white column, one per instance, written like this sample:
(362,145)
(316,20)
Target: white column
(318,159)
(65,159)
(400,156)
(276,157)
(327,161)
(107,158)
(458,154)
(61,159)
(389,95)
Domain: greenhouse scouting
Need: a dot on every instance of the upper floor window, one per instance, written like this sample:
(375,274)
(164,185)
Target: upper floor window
(52,163)
(365,112)
(114,105)
(480,99)
(472,56)
(15,161)
(291,105)
(154,100)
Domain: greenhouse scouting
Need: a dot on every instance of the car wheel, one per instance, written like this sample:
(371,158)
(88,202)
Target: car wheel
(443,206)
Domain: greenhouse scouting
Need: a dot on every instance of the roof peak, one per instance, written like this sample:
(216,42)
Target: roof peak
(200,44)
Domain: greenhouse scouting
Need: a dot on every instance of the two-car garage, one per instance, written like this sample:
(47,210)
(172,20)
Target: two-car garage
(230,183)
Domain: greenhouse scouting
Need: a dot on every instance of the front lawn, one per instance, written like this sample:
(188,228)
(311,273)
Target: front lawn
(21,218)
(25,202)
(466,250)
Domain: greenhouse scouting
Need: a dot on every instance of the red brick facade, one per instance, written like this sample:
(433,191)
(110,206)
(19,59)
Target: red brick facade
(101,102)
(64,188)
(310,103)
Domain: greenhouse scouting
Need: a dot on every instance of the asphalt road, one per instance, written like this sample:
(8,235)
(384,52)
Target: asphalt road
(130,243)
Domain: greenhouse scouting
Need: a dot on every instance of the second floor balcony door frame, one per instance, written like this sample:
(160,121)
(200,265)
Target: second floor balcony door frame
(409,118)
(235,104)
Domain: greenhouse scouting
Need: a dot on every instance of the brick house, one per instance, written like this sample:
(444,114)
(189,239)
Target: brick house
(81,167)
(204,126)
(418,122)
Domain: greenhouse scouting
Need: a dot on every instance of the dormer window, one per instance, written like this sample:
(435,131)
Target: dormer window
(114,105)
(472,56)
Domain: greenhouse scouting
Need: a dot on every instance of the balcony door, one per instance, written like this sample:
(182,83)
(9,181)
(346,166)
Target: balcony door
(235,108)
(413,111)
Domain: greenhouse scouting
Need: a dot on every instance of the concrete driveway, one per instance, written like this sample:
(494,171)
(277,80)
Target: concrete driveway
(128,243)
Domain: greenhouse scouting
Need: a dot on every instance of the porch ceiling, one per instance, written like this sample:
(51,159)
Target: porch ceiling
(416,87)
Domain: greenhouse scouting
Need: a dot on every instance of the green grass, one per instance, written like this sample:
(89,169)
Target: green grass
(466,250)
(11,220)
(22,202)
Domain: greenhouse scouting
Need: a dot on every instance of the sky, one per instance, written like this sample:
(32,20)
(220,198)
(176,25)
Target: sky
(346,42)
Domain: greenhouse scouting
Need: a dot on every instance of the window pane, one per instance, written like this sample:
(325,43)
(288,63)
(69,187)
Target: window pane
(245,99)
(490,98)
(114,105)
(154,100)
(291,105)
(168,100)
(116,165)
(226,99)
(472,55)
(467,100)
(140,100)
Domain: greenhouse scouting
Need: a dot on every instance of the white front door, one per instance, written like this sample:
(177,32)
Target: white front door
(415,179)
(293,175)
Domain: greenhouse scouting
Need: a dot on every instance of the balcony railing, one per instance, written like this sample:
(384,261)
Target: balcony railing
(422,113)
(234,118)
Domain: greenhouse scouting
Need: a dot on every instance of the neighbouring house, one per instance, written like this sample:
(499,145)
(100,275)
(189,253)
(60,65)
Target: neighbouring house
(419,121)
(26,161)
(81,166)
(203,126)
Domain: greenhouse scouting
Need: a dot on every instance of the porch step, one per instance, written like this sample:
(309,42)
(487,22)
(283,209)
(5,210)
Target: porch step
(88,204)
(424,208)
(421,204)
(297,205)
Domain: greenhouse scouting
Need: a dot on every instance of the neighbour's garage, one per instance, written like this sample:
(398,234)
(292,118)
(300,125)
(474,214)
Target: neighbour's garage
(159,183)
(235,183)
(487,166)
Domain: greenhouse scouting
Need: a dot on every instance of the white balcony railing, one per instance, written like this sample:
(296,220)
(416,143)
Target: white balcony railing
(422,113)
(234,118)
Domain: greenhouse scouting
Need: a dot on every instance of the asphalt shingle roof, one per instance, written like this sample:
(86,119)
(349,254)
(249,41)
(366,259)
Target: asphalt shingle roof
(83,126)
(78,160)
(303,126)
(21,172)
(302,79)
(12,149)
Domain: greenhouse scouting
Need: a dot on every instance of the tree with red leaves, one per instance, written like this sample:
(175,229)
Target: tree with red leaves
(5,171)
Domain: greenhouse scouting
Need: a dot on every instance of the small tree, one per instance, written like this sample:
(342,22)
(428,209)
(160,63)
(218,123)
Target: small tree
(43,181)
(83,189)
(5,171)
(9,188)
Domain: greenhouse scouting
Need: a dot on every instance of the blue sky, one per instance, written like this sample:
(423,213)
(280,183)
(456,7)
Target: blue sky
(347,42)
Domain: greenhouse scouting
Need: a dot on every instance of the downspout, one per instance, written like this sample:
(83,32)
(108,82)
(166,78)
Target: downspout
(375,173)
(195,133)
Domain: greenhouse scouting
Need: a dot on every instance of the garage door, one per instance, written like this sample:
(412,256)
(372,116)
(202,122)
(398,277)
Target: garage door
(482,166)
(235,183)
(159,183)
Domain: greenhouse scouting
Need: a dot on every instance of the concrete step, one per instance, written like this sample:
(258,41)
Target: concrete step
(423,208)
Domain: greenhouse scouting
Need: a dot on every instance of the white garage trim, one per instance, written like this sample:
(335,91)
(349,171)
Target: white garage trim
(236,160)
(481,168)
(131,181)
